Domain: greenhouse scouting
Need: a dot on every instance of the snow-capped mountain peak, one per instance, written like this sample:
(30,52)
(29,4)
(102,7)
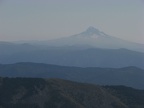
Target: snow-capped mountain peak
(95,38)
(91,32)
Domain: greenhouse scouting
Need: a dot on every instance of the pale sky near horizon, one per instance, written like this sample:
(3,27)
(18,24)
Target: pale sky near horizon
(50,19)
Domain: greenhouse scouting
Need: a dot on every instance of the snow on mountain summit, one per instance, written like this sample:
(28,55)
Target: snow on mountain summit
(95,38)
(91,32)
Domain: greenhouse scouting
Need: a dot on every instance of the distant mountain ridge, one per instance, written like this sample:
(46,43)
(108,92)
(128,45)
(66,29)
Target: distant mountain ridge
(82,56)
(128,76)
(95,38)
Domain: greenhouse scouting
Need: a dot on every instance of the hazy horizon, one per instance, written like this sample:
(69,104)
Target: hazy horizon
(48,19)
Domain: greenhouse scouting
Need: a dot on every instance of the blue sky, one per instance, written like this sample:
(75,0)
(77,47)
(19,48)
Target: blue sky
(50,19)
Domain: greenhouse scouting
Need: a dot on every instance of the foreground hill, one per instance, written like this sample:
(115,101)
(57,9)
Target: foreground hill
(57,93)
(54,93)
(128,76)
(130,96)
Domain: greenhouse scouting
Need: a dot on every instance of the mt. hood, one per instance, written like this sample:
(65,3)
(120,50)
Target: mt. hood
(94,38)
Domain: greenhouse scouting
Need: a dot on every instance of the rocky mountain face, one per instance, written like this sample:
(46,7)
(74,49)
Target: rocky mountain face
(54,93)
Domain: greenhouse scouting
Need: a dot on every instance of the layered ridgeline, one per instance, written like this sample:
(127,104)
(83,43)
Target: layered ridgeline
(128,76)
(56,93)
(82,56)
(91,48)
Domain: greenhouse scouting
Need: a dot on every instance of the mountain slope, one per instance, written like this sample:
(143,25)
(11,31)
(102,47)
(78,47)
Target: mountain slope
(54,93)
(130,96)
(128,76)
(95,38)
